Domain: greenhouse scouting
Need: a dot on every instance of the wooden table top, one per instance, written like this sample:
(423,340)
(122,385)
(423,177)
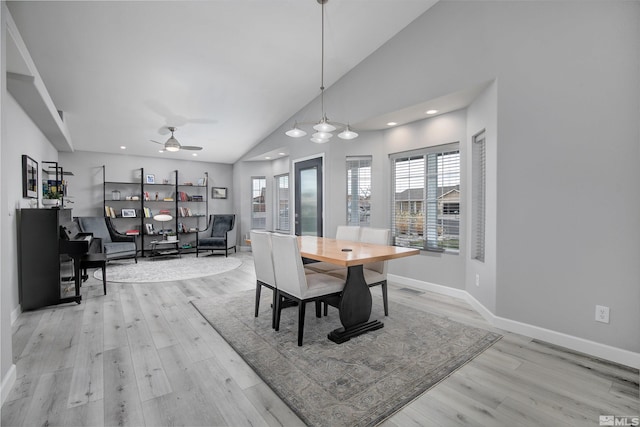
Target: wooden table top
(331,250)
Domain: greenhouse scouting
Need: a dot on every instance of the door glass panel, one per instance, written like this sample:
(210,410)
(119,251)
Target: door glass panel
(309,202)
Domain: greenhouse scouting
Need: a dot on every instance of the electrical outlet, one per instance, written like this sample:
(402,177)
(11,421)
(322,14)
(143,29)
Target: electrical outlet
(602,314)
(477,279)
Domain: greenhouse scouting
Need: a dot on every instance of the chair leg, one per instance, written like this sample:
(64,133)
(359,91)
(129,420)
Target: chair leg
(318,309)
(277,309)
(384,298)
(326,309)
(301,310)
(104,277)
(258,289)
(273,310)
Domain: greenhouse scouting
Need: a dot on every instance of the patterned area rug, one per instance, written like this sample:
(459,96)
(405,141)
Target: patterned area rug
(358,383)
(167,269)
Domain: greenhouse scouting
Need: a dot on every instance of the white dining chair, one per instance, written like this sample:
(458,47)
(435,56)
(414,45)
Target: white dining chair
(263,264)
(343,232)
(294,284)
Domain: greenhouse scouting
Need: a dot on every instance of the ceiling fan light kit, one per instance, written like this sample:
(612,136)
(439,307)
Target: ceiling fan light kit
(324,127)
(173,145)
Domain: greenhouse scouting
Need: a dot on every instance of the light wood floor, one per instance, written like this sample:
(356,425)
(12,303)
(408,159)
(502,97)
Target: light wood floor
(143,356)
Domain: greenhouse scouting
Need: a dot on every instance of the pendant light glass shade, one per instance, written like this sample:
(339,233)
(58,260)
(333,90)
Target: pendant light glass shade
(324,126)
(319,140)
(347,134)
(295,132)
(322,135)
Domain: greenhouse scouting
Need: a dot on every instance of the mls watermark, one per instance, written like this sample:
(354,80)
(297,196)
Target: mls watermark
(615,420)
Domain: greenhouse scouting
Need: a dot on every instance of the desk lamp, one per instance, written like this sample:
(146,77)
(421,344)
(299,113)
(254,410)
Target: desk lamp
(163,218)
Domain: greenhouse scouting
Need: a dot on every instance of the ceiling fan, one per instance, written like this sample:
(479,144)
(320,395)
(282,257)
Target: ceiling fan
(172,143)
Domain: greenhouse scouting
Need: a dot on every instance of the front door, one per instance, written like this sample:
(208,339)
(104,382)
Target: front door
(308,193)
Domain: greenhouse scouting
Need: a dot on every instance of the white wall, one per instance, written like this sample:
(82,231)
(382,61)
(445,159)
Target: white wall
(566,142)
(22,137)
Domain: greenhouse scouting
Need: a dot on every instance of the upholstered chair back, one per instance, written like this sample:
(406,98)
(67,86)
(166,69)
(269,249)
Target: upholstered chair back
(262,259)
(287,264)
(348,232)
(221,224)
(378,236)
(96,225)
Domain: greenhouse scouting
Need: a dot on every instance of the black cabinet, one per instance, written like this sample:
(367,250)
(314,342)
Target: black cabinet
(43,270)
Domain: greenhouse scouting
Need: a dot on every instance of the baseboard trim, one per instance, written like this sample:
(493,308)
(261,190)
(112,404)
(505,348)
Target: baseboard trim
(7,382)
(15,313)
(603,351)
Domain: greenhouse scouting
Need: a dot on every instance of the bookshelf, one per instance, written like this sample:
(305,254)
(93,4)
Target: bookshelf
(133,204)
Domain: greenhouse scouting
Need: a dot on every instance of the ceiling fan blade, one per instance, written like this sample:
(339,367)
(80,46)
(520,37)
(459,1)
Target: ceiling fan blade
(161,143)
(190,147)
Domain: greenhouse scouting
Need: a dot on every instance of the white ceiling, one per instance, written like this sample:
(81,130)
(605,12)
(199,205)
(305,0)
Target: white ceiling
(227,73)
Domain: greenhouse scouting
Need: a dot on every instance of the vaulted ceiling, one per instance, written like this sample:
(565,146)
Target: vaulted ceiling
(226,73)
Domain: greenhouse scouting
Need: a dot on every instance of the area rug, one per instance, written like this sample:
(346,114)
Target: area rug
(167,269)
(358,383)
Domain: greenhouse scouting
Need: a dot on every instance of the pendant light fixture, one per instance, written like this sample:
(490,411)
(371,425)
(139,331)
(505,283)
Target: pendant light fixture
(324,127)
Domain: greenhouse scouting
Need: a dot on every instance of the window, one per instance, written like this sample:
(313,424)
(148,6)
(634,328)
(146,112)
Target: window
(425,210)
(258,203)
(359,190)
(478,193)
(282,202)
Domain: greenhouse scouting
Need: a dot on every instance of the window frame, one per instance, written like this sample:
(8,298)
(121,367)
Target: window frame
(254,218)
(278,201)
(424,220)
(364,211)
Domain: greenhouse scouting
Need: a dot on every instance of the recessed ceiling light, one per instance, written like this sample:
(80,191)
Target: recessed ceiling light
(194,154)
(282,154)
(268,157)
(122,147)
(160,151)
(392,124)
(431,111)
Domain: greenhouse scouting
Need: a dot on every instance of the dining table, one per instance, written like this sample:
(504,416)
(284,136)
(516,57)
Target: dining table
(355,302)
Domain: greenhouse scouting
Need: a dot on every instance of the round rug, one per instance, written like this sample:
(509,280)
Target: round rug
(167,269)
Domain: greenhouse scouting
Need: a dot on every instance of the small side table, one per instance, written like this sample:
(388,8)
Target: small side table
(165,248)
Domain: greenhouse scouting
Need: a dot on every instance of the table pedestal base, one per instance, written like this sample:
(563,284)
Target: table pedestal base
(341,335)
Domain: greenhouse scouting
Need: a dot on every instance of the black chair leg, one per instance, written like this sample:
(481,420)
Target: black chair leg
(277,309)
(258,289)
(301,310)
(104,278)
(384,298)
(273,310)
(326,309)
(318,309)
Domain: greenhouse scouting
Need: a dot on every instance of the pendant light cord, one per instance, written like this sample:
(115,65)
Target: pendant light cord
(322,63)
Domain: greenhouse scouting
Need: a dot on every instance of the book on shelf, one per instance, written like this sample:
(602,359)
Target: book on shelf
(108,211)
(197,198)
(132,232)
(168,199)
(164,212)
(147,213)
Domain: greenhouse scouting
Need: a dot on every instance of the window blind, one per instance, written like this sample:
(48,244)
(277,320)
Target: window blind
(258,203)
(359,190)
(478,196)
(425,209)
(282,202)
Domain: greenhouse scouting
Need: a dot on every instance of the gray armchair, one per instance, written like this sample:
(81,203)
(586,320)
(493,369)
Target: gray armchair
(221,235)
(115,245)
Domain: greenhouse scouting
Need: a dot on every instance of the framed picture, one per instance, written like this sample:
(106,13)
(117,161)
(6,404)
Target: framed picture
(149,228)
(29,177)
(218,192)
(150,179)
(128,213)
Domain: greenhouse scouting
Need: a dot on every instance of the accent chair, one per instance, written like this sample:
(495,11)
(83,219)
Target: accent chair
(114,244)
(221,237)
